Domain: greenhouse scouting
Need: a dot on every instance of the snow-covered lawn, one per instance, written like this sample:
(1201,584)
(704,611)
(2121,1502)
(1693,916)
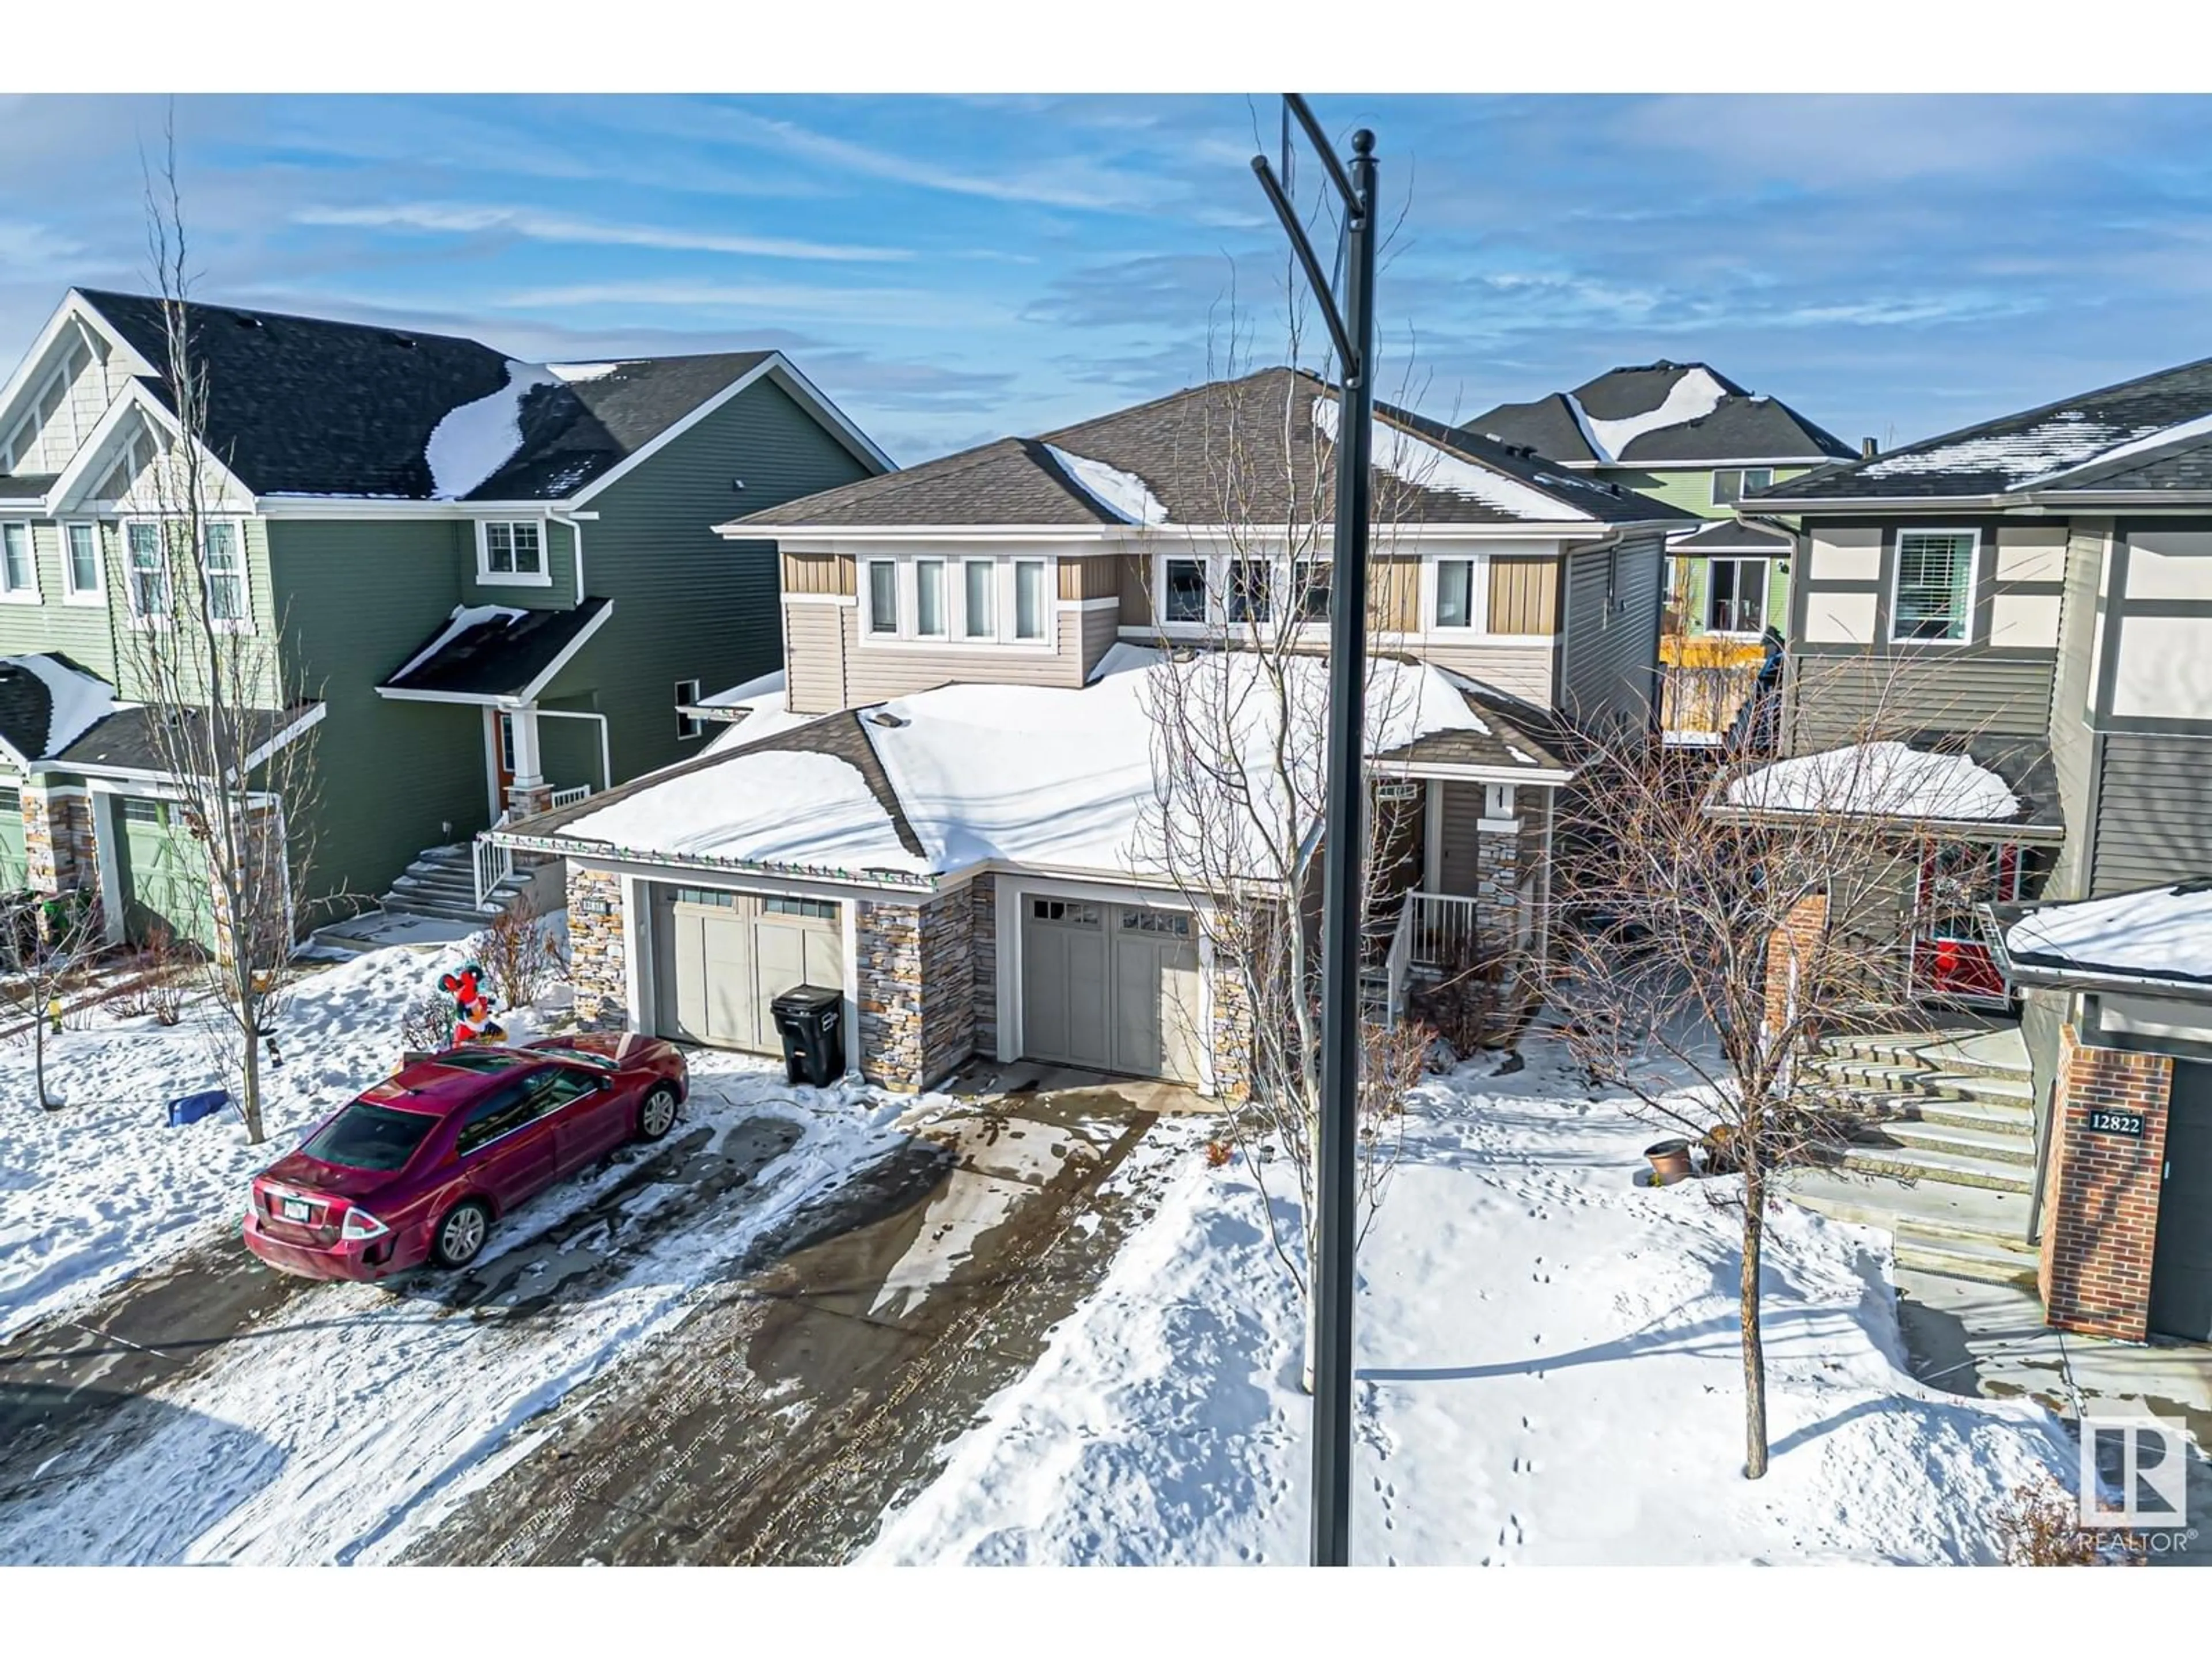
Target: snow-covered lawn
(92,1193)
(1549,1373)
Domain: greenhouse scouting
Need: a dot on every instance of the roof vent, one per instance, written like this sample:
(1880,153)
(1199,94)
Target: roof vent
(885,717)
(244,319)
(1868,449)
(405,342)
(737,484)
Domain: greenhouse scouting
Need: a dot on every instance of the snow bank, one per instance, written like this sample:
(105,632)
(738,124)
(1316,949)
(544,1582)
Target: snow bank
(1426,466)
(738,695)
(1882,779)
(782,806)
(465,617)
(1694,396)
(79,701)
(1124,494)
(474,441)
(2163,933)
(1548,1373)
(94,1192)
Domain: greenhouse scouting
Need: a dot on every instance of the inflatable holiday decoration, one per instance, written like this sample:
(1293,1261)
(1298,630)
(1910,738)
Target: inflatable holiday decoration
(472,1020)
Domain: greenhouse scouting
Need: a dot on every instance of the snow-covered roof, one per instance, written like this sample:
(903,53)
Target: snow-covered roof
(46,704)
(1660,414)
(2160,934)
(1030,775)
(743,696)
(1878,779)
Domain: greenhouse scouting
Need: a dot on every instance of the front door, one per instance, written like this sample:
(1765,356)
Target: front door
(2181,1260)
(499,743)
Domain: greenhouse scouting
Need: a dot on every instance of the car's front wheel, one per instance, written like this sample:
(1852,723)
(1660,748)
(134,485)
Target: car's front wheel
(460,1236)
(656,1114)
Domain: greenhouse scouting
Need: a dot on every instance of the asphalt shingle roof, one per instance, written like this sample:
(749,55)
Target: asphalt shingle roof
(499,657)
(1733,536)
(127,739)
(304,405)
(1742,426)
(2069,437)
(1211,454)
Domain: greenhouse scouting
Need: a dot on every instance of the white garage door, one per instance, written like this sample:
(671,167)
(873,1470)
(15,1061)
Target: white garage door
(1110,987)
(720,958)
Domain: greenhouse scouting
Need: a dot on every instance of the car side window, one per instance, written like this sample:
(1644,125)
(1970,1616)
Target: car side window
(509,1109)
(560,1085)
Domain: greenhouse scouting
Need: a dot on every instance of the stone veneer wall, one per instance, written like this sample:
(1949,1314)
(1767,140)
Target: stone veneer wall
(597,955)
(58,840)
(1232,1036)
(983,920)
(917,982)
(2101,1191)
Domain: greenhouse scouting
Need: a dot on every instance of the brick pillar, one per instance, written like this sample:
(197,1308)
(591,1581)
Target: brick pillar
(598,951)
(1789,945)
(526,800)
(2101,1190)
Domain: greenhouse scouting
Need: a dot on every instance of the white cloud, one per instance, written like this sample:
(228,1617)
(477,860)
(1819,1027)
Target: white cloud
(466,219)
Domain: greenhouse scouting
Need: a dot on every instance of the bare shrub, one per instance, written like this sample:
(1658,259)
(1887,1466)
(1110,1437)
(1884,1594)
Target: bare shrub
(520,957)
(166,965)
(2041,1527)
(427,1026)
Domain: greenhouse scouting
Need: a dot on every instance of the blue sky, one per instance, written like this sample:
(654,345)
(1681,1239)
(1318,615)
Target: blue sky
(950,270)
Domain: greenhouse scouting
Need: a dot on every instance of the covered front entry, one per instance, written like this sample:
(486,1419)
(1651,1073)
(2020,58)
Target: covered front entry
(1110,987)
(721,957)
(164,874)
(2181,1261)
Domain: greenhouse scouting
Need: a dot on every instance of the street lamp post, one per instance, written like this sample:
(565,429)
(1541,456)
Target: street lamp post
(1351,328)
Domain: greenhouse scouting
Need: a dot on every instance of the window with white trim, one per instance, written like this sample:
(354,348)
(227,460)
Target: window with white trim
(83,575)
(929,598)
(883,596)
(978,599)
(1182,597)
(511,551)
(1028,599)
(688,726)
(1736,596)
(223,565)
(1249,580)
(19,569)
(1933,596)
(1310,591)
(1455,592)
(146,570)
(1731,483)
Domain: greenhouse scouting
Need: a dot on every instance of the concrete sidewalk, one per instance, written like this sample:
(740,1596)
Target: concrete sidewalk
(1989,1341)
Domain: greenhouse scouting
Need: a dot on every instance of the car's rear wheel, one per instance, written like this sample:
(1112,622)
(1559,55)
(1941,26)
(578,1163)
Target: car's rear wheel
(460,1236)
(656,1114)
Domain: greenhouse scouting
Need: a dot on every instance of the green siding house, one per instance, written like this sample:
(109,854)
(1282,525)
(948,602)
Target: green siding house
(483,582)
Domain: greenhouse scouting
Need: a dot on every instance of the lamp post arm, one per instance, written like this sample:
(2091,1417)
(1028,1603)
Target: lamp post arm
(1315,275)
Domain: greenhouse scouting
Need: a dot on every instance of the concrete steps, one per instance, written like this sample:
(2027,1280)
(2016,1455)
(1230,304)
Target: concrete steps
(441,883)
(1942,1152)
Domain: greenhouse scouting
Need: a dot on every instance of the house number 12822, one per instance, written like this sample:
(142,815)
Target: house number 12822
(2102,1122)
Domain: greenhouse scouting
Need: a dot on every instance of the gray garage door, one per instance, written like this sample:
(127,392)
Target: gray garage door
(1110,987)
(720,959)
(2181,1261)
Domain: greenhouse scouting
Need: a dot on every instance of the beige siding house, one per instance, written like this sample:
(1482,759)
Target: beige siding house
(1024,587)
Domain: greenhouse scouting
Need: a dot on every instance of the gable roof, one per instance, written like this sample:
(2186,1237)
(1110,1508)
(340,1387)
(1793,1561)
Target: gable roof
(46,703)
(2152,433)
(1661,413)
(1736,536)
(1214,454)
(310,406)
(496,650)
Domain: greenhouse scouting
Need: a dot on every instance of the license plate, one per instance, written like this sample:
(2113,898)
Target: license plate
(293,1209)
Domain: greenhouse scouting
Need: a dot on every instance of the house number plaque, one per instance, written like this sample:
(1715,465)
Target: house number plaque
(2105,1123)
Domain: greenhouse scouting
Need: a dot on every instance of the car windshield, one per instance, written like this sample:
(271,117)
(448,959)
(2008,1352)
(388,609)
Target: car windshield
(366,1137)
(485,1060)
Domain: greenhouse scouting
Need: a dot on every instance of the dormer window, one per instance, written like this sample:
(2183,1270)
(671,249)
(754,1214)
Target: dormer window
(512,552)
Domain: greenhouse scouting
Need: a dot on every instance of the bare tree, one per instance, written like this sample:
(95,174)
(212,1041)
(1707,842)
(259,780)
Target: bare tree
(44,947)
(1239,710)
(1722,920)
(228,734)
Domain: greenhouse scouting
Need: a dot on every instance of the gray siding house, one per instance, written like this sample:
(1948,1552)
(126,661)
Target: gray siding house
(481,582)
(2036,592)
(1018,592)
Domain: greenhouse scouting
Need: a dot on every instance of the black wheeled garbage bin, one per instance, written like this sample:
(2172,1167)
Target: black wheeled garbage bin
(811,1022)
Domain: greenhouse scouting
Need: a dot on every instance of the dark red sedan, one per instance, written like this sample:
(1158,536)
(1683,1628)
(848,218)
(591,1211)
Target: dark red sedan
(418,1168)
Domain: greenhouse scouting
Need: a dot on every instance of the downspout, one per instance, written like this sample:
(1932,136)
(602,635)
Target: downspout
(573,521)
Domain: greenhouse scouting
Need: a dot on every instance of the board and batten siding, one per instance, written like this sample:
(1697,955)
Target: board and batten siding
(2073,746)
(1848,681)
(1609,637)
(687,603)
(1524,594)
